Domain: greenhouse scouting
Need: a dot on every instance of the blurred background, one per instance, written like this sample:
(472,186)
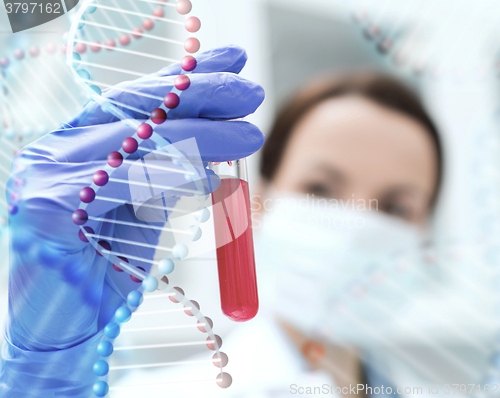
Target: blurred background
(448,51)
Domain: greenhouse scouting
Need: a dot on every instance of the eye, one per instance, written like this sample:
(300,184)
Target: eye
(318,189)
(398,210)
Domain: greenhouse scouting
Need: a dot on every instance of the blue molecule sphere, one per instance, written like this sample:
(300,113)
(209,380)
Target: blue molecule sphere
(166,266)
(83,74)
(105,349)
(76,59)
(123,314)
(10,133)
(96,89)
(100,388)
(203,216)
(81,24)
(91,8)
(150,284)
(180,251)
(134,298)
(112,330)
(101,368)
(106,107)
(196,231)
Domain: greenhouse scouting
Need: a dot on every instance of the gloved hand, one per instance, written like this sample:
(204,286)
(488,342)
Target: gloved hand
(61,293)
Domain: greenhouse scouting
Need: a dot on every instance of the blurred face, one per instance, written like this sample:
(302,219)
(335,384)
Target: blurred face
(351,148)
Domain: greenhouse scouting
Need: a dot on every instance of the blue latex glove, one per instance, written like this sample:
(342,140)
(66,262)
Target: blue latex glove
(61,293)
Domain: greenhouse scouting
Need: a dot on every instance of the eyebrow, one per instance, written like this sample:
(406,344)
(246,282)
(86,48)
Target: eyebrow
(404,190)
(333,173)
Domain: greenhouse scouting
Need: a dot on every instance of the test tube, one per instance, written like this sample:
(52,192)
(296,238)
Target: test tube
(234,241)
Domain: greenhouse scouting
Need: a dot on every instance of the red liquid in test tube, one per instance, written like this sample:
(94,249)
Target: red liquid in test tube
(234,240)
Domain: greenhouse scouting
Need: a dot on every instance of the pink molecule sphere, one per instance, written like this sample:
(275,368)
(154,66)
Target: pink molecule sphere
(51,48)
(224,380)
(124,40)
(115,159)
(182,82)
(191,304)
(105,245)
(158,116)
(183,7)
(158,12)
(202,328)
(210,342)
(95,46)
(144,131)
(110,43)
(4,62)
(100,178)
(171,101)
(87,195)
(130,145)
(192,45)
(18,53)
(34,51)
(80,217)
(188,63)
(222,361)
(192,24)
(137,33)
(118,268)
(135,279)
(82,236)
(18,182)
(148,24)
(80,48)
(15,196)
(63,48)
(172,298)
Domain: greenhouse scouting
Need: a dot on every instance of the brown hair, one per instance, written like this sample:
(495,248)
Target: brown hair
(379,88)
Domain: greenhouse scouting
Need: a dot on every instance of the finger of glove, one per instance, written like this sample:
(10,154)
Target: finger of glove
(212,96)
(47,189)
(217,141)
(225,59)
(229,58)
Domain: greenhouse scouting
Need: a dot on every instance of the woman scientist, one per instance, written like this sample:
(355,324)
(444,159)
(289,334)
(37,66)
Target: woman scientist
(361,137)
(350,174)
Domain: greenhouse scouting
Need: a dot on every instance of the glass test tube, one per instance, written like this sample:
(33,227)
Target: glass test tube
(234,240)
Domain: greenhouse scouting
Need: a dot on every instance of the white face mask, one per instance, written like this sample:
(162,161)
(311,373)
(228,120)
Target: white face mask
(335,273)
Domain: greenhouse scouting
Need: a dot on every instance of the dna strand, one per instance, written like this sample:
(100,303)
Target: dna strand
(29,105)
(101,25)
(414,43)
(37,92)
(25,113)
(149,322)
